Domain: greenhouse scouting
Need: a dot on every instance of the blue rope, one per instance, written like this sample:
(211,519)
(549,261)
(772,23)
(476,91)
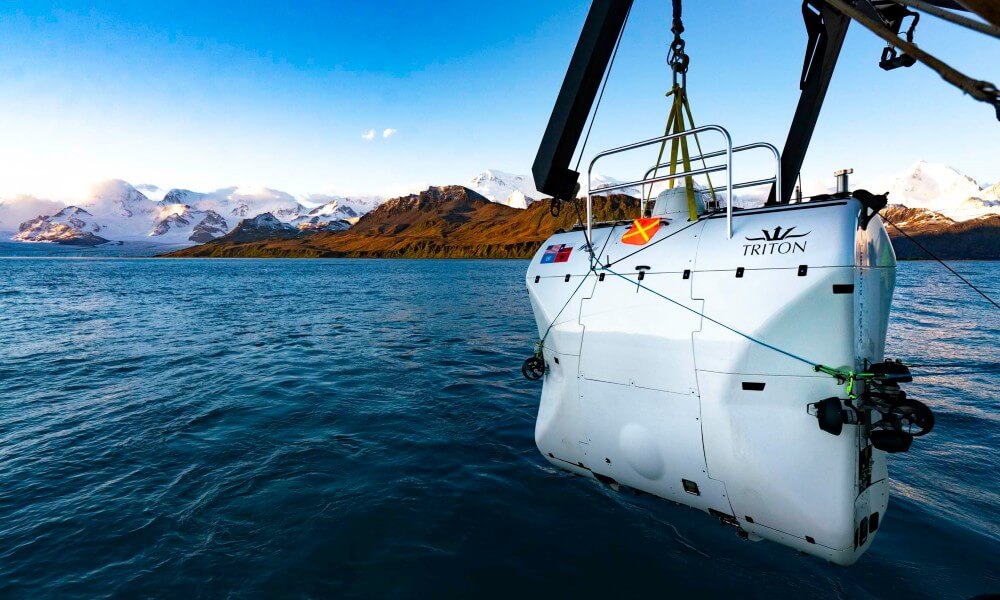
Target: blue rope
(812,364)
(848,377)
(541,342)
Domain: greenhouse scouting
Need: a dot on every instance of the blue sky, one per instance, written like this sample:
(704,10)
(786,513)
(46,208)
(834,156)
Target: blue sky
(206,95)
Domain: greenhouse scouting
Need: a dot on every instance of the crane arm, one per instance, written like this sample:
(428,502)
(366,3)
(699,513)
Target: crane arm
(551,170)
(826,28)
(826,24)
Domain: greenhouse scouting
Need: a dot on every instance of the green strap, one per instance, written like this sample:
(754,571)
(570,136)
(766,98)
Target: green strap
(663,146)
(847,377)
(679,108)
(708,176)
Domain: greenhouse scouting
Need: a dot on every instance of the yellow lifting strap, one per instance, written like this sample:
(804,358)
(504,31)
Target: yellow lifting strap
(676,124)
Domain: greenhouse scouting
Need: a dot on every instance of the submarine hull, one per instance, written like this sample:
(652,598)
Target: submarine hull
(684,367)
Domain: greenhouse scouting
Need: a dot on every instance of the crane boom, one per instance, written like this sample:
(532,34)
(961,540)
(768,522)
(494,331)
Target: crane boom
(551,169)
(826,27)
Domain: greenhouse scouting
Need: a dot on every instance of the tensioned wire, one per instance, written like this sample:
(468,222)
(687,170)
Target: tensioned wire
(943,264)
(840,374)
(850,376)
(817,366)
(541,342)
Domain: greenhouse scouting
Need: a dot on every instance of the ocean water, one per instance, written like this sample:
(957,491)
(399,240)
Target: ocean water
(360,428)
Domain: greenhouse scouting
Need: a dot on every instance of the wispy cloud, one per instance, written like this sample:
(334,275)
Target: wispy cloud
(368,135)
(21,208)
(388,133)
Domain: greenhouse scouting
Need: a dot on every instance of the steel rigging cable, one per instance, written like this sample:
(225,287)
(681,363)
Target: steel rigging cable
(943,264)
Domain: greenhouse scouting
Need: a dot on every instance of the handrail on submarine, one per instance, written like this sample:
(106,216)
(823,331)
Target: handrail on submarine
(776,180)
(647,180)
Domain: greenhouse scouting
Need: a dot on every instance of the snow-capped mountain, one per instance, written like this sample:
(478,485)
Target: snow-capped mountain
(267,221)
(944,190)
(211,227)
(153,192)
(238,202)
(262,227)
(598,181)
(359,204)
(334,208)
(992,192)
(316,224)
(516,191)
(115,198)
(332,216)
(179,222)
(116,211)
(71,225)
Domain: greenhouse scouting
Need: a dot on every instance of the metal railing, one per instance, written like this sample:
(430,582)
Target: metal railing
(728,152)
(776,180)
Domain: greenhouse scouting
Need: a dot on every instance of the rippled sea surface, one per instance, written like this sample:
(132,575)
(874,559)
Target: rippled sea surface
(361,428)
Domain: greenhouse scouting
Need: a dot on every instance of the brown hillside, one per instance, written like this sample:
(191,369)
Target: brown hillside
(445,222)
(455,222)
(974,239)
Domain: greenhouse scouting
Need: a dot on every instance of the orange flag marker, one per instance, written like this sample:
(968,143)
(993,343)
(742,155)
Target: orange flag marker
(642,231)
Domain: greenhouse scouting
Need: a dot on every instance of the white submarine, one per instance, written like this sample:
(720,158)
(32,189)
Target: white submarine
(728,359)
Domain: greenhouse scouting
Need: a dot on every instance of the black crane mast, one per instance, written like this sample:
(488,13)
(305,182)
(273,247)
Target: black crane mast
(826,24)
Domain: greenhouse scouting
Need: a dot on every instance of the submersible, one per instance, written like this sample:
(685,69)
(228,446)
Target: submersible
(728,358)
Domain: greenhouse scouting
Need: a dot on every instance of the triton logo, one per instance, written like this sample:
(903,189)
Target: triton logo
(778,235)
(774,242)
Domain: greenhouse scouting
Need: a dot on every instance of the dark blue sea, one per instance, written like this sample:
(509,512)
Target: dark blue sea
(360,428)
